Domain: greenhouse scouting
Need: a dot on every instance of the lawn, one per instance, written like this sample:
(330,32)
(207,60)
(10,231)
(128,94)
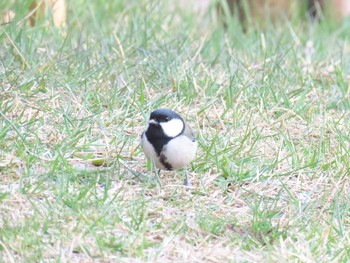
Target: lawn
(270,182)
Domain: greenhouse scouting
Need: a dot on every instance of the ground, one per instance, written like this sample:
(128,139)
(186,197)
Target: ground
(270,106)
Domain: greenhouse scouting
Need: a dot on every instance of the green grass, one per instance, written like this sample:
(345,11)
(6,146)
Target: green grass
(271,108)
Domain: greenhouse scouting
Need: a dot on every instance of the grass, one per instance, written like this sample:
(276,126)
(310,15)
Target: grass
(271,108)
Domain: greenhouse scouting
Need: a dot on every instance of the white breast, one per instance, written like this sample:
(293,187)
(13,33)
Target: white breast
(180,151)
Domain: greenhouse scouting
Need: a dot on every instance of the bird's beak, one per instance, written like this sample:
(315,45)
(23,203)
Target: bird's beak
(153,122)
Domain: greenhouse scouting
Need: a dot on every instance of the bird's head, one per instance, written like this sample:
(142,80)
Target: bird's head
(168,121)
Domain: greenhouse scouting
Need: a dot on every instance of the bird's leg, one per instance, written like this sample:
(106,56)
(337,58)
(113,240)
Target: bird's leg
(158,177)
(187,181)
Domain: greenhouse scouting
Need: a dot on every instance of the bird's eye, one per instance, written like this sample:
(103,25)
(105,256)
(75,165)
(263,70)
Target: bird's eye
(167,118)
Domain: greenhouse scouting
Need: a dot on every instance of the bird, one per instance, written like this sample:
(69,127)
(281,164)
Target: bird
(169,142)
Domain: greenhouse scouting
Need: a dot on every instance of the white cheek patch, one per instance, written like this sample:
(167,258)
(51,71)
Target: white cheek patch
(173,127)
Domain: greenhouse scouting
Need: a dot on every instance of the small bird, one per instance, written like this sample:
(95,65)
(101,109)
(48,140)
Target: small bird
(168,142)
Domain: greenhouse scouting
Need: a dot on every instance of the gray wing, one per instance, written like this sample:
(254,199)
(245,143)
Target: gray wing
(190,133)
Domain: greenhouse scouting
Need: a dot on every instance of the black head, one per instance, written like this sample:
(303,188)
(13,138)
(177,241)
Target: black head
(164,115)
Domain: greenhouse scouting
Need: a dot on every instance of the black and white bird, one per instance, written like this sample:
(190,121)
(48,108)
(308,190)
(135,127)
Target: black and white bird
(168,142)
